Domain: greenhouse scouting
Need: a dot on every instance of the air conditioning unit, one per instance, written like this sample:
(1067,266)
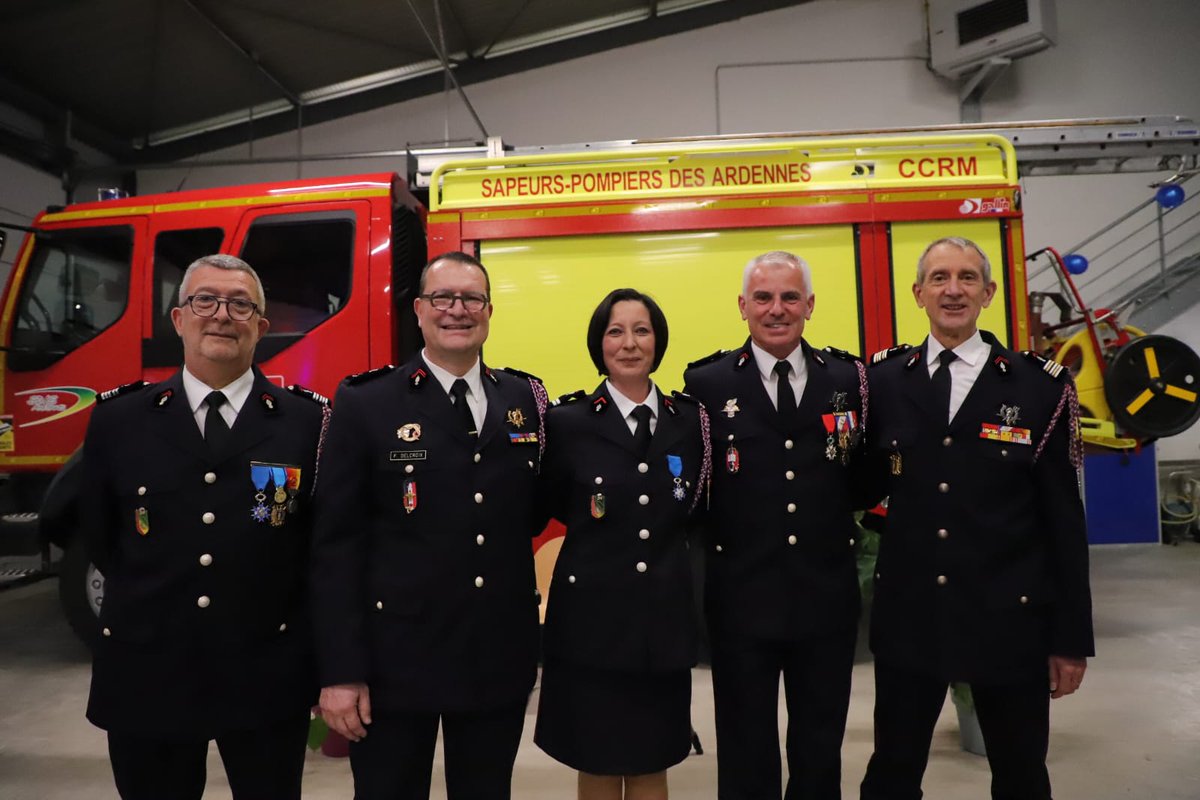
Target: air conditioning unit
(964,34)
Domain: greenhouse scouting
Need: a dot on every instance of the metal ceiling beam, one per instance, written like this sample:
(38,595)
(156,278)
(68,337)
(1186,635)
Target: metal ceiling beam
(441,53)
(323,28)
(428,80)
(244,51)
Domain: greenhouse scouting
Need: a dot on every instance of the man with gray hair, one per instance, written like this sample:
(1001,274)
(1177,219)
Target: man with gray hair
(982,575)
(781,594)
(195,509)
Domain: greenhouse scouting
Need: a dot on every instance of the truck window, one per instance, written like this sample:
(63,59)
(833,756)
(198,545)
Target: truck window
(76,285)
(173,252)
(304,261)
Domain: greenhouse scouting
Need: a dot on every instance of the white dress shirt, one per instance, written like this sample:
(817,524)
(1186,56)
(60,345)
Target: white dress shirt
(236,392)
(972,355)
(626,406)
(766,362)
(476,399)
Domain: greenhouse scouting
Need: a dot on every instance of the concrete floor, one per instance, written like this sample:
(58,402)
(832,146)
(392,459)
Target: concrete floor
(1132,732)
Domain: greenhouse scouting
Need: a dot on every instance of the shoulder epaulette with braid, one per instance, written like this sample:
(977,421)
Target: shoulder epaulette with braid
(845,355)
(116,392)
(709,359)
(518,373)
(363,377)
(570,398)
(316,397)
(1052,368)
(884,355)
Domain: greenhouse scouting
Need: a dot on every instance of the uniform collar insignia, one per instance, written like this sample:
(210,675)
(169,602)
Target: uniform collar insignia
(1001,364)
(913,359)
(487,373)
(418,377)
(742,358)
(599,404)
(669,404)
(817,357)
(164,397)
(268,401)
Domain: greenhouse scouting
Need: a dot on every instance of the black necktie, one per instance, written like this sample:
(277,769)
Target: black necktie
(941,383)
(785,398)
(458,390)
(641,435)
(216,429)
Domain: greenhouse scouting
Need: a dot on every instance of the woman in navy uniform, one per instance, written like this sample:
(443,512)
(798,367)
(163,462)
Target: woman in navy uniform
(623,469)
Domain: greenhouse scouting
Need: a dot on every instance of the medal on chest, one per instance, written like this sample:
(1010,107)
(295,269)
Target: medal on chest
(675,464)
(840,425)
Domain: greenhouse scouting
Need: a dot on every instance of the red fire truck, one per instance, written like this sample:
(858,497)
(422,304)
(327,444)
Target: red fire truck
(87,306)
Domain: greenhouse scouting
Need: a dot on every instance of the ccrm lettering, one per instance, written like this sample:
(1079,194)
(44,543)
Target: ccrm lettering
(944,167)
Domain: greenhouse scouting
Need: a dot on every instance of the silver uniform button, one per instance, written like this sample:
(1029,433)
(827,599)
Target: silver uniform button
(141,490)
(203,601)
(479,583)
(1003,451)
(792,539)
(479,539)
(209,518)
(643,534)
(282,627)
(478,457)
(789,475)
(789,444)
(731,437)
(106,632)
(570,579)
(943,533)
(943,487)
(643,467)
(852,543)
(719,548)
(408,468)
(1024,599)
(210,477)
(479,497)
(947,441)
(644,499)
(205,560)
(599,480)
(941,580)
(791,507)
(379,605)
(641,566)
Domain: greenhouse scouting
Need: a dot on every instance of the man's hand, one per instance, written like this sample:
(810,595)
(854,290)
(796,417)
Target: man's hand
(1066,674)
(346,708)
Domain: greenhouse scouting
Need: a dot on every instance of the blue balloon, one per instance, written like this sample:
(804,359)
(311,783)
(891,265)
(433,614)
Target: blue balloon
(1075,263)
(1169,195)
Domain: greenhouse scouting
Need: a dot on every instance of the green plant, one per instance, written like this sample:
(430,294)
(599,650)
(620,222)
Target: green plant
(867,554)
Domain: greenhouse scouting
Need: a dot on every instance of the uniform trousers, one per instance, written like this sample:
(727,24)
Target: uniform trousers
(259,763)
(1014,718)
(816,680)
(395,759)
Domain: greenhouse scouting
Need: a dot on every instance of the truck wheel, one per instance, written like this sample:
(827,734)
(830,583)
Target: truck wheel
(81,592)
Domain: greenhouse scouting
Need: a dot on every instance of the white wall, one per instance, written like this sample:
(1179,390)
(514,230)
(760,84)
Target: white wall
(1113,58)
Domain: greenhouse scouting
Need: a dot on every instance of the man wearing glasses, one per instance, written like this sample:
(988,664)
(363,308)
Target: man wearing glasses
(196,511)
(426,606)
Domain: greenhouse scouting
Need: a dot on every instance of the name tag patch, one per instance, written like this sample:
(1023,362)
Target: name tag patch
(407,455)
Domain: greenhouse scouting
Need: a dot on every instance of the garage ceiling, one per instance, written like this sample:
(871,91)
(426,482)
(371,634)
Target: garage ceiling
(140,81)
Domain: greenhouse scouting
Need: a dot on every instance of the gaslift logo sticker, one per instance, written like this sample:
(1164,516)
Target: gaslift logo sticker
(7,441)
(57,401)
(988,205)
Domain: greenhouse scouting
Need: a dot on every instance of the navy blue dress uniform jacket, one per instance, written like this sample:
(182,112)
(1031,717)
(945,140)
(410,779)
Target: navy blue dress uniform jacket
(621,596)
(781,534)
(430,600)
(205,616)
(983,566)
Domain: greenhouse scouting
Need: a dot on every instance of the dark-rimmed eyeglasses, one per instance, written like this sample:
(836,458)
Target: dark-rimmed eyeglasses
(444,301)
(206,305)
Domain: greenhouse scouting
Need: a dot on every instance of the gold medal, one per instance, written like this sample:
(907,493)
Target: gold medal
(895,462)
(280,495)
